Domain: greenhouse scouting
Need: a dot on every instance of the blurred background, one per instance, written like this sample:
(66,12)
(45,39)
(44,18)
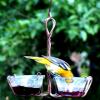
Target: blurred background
(75,40)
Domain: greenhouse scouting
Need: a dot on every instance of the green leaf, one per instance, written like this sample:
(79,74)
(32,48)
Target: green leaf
(71,2)
(72,34)
(89,29)
(96,28)
(92,29)
(83,35)
(73,20)
(2,58)
(33,34)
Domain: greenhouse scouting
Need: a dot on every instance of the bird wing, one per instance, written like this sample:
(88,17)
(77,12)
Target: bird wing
(58,62)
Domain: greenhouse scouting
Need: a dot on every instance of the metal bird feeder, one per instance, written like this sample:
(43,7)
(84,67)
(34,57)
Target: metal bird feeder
(26,85)
(78,88)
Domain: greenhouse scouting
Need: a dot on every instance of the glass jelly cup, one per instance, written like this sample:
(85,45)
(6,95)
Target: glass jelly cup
(77,88)
(25,85)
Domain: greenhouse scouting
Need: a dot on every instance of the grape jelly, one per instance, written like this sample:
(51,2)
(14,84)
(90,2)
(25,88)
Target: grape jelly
(26,85)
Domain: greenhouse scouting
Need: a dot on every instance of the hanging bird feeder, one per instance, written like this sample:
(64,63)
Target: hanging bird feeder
(26,85)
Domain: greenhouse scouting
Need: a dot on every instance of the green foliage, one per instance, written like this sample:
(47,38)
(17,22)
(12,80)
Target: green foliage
(82,18)
(22,32)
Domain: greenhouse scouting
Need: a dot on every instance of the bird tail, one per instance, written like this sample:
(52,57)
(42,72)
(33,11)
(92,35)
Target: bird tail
(32,57)
(39,59)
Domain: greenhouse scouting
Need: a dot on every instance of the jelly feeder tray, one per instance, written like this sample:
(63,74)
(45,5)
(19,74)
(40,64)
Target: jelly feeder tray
(25,85)
(78,88)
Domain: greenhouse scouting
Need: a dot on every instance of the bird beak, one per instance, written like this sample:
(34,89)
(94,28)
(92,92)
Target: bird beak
(38,59)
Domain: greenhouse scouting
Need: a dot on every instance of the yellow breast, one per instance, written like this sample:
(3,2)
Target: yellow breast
(64,73)
(60,71)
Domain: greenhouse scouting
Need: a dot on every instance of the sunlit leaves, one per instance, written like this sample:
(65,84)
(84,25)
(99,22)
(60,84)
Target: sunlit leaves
(84,16)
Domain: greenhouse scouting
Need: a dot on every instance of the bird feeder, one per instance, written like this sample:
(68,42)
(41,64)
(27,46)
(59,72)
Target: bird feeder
(26,85)
(77,88)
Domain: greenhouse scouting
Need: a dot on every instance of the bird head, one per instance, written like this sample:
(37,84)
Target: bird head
(39,60)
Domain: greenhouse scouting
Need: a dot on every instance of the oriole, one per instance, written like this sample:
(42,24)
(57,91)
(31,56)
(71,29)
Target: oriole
(55,66)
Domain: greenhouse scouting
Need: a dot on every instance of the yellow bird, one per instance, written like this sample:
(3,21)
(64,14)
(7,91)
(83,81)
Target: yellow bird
(55,65)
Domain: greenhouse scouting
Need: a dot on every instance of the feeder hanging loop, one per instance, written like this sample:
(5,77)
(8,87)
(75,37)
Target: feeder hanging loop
(49,33)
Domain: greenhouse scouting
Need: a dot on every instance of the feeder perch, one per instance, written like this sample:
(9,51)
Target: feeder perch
(77,88)
(25,85)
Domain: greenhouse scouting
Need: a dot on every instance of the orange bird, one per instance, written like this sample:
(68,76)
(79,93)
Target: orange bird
(55,65)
